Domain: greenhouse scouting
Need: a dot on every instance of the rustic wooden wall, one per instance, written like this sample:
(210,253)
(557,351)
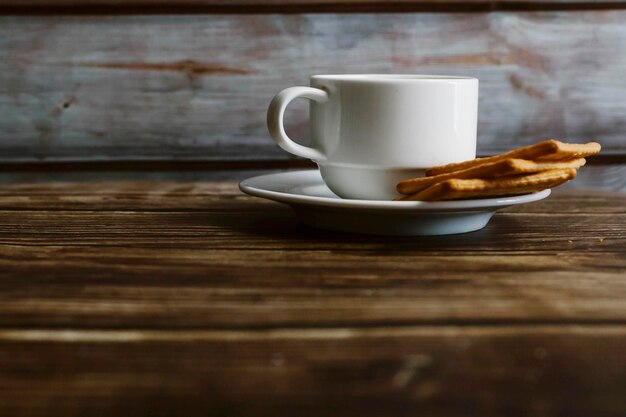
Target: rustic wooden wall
(197,86)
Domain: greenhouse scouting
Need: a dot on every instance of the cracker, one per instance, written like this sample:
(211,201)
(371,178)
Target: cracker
(455,189)
(510,166)
(547,150)
(571,150)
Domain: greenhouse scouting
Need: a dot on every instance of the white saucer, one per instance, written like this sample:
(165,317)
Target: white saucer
(315,205)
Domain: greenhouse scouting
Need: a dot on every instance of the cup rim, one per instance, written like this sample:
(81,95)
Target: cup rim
(393,77)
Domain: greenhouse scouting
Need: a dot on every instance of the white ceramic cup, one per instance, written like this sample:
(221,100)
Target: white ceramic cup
(368,132)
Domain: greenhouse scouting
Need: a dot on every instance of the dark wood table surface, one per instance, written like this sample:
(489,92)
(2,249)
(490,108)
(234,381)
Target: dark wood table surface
(191,299)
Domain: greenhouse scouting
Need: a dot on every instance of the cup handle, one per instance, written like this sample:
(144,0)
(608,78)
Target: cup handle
(275,114)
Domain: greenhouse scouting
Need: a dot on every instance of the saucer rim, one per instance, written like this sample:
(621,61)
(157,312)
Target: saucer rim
(256,190)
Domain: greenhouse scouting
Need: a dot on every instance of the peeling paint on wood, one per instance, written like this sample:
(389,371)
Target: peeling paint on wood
(176,87)
(518,84)
(187,66)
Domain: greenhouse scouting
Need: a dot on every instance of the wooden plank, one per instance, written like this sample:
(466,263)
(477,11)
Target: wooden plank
(291,6)
(599,177)
(134,287)
(155,87)
(162,299)
(184,196)
(443,371)
(192,255)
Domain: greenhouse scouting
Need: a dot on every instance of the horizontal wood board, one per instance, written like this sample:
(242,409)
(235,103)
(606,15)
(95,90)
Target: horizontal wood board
(609,177)
(197,86)
(197,255)
(446,371)
(160,298)
(291,6)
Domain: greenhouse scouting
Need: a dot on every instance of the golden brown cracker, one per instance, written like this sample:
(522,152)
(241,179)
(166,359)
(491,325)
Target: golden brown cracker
(510,166)
(547,150)
(571,150)
(455,189)
(523,166)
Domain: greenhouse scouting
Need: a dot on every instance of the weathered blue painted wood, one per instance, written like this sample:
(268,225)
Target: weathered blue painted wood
(144,87)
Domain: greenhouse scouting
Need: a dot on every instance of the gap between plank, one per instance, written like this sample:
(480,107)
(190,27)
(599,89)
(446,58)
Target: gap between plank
(396,326)
(204,165)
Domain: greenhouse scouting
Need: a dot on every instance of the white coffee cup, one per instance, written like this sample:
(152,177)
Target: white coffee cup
(368,132)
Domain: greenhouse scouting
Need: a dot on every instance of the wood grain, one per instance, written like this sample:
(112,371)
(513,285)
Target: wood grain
(446,371)
(611,177)
(202,195)
(189,298)
(180,87)
(192,255)
(291,6)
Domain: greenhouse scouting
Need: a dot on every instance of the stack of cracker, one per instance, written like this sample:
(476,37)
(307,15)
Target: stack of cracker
(520,171)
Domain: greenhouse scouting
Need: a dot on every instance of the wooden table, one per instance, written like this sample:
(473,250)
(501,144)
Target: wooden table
(191,299)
